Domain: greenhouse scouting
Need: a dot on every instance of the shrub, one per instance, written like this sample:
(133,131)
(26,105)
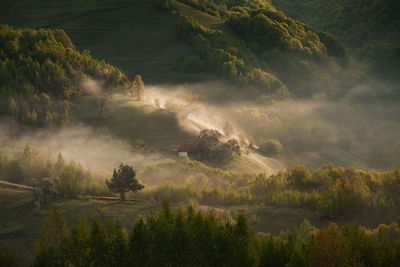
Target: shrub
(270,147)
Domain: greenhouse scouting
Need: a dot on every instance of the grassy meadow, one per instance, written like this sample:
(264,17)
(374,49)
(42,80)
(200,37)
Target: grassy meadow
(133,120)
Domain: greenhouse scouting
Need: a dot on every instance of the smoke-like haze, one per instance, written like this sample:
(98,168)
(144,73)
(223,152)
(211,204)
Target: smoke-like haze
(96,149)
(312,132)
(347,132)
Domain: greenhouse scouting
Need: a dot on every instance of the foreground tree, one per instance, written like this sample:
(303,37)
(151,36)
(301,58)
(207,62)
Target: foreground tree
(123,181)
(50,247)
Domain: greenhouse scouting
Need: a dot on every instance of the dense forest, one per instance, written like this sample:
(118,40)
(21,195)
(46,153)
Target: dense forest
(305,60)
(370,28)
(41,72)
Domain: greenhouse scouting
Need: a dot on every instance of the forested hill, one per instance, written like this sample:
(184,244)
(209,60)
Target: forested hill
(250,43)
(133,35)
(40,71)
(259,46)
(370,28)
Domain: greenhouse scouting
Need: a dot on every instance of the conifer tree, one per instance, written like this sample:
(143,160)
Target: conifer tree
(52,238)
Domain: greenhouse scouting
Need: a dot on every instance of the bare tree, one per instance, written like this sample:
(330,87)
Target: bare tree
(138,87)
(102,104)
(228,129)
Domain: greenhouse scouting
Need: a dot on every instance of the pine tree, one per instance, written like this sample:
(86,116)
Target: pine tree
(53,236)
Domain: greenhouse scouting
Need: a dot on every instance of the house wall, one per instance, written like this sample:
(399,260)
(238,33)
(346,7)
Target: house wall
(182,154)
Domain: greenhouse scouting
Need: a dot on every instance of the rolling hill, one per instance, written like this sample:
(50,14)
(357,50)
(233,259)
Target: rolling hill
(130,34)
(139,38)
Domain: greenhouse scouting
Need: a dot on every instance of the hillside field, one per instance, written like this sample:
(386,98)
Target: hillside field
(160,130)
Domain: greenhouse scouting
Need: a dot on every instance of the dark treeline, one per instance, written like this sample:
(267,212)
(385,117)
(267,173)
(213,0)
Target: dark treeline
(41,71)
(186,237)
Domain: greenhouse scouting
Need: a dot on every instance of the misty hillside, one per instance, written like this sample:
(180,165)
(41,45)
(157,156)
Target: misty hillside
(49,90)
(294,59)
(199,133)
(370,29)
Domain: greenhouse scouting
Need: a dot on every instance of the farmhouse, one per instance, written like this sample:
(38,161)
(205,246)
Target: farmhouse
(187,150)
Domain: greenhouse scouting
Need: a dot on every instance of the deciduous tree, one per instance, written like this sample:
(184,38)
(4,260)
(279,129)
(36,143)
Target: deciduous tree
(123,181)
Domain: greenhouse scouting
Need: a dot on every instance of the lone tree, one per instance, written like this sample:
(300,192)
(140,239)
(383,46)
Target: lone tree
(123,181)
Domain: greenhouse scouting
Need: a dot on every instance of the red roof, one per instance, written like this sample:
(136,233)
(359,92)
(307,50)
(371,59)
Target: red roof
(187,148)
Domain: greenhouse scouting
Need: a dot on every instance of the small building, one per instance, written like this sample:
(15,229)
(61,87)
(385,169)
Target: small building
(187,150)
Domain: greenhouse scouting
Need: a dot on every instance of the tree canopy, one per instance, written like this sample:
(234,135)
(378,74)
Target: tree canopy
(123,181)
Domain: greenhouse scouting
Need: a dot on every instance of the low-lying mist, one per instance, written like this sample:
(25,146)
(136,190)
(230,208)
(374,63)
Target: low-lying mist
(346,132)
(95,149)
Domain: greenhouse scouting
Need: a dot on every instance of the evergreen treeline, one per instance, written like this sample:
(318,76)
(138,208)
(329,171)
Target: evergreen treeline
(190,238)
(40,71)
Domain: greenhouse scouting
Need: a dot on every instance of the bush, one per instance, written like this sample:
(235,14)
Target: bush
(270,147)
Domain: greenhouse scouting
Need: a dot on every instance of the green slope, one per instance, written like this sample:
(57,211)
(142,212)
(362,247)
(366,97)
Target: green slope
(131,34)
(203,18)
(132,120)
(140,120)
